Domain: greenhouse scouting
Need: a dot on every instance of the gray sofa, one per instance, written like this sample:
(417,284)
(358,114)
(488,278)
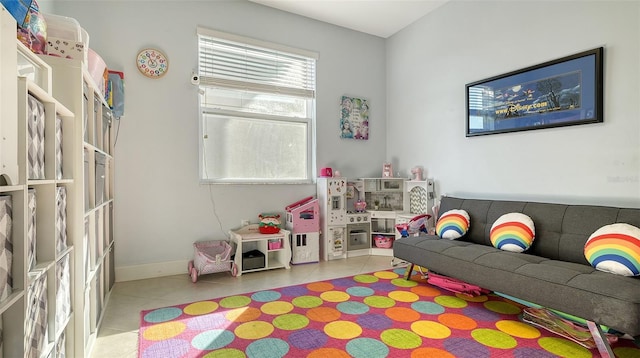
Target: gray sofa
(552,273)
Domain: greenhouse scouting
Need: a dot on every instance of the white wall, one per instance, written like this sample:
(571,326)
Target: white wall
(160,206)
(429,63)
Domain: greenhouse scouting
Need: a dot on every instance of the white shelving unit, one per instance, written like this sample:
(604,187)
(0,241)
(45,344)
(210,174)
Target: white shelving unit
(93,161)
(249,238)
(37,313)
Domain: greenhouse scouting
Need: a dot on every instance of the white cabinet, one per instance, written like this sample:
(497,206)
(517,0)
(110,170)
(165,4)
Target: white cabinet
(257,252)
(93,220)
(37,205)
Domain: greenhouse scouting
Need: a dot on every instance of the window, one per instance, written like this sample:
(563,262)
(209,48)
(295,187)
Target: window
(257,108)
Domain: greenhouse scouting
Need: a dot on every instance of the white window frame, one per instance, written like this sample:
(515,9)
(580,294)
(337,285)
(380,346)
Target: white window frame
(225,83)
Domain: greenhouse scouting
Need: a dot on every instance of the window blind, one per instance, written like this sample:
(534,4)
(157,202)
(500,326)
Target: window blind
(246,64)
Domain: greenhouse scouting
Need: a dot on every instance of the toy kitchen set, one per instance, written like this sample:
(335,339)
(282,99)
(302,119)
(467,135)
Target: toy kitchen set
(359,217)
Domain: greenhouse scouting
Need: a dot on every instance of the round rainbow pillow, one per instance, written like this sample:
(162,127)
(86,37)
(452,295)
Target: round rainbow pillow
(615,248)
(513,232)
(453,224)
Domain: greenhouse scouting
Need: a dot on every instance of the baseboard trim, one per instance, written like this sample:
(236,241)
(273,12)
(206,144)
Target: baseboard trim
(160,269)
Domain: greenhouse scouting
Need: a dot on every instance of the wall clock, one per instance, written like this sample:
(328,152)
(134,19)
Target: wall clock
(152,63)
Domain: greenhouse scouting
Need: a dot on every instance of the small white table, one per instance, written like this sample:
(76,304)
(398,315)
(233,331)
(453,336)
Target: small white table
(249,238)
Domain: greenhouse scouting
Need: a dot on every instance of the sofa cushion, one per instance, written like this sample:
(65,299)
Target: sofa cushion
(615,248)
(512,232)
(453,224)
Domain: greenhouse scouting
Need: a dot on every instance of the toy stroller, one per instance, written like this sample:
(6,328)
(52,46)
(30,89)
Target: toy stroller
(211,257)
(415,226)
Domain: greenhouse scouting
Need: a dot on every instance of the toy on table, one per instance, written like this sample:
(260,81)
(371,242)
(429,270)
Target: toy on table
(417,173)
(269,223)
(416,225)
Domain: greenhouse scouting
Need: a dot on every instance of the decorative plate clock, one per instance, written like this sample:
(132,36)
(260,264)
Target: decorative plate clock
(152,63)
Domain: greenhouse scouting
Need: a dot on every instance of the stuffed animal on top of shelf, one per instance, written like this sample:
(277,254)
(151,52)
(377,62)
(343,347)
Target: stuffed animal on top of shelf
(269,223)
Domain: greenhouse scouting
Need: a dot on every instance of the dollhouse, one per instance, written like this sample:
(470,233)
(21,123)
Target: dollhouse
(303,220)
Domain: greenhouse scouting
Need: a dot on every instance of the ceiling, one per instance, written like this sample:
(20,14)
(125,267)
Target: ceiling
(381,18)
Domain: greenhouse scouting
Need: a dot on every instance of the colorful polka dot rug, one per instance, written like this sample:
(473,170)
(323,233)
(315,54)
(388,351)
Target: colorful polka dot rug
(369,315)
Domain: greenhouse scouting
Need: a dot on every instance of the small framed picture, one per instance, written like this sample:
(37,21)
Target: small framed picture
(354,118)
(387,170)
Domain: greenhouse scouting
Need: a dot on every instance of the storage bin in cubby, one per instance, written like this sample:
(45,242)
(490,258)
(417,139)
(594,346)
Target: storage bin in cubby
(97,244)
(87,204)
(85,114)
(101,162)
(97,103)
(61,219)
(35,129)
(36,325)
(63,292)
(253,259)
(61,350)
(112,268)
(86,255)
(31,229)
(97,288)
(58,147)
(6,247)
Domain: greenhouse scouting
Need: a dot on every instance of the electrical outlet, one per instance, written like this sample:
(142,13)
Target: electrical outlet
(244,222)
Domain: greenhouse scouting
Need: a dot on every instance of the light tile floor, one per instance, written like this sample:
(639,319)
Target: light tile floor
(118,334)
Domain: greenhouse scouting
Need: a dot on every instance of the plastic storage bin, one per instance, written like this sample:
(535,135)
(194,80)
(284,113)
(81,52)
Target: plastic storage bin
(383,242)
(66,38)
(98,70)
(274,244)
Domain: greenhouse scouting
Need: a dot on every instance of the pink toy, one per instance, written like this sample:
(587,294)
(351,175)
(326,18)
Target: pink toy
(326,172)
(417,173)
(360,206)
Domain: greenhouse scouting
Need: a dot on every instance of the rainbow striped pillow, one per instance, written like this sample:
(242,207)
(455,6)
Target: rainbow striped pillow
(513,232)
(453,224)
(615,248)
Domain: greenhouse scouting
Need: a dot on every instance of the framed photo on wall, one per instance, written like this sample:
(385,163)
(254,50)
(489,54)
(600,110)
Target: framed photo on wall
(563,92)
(354,118)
